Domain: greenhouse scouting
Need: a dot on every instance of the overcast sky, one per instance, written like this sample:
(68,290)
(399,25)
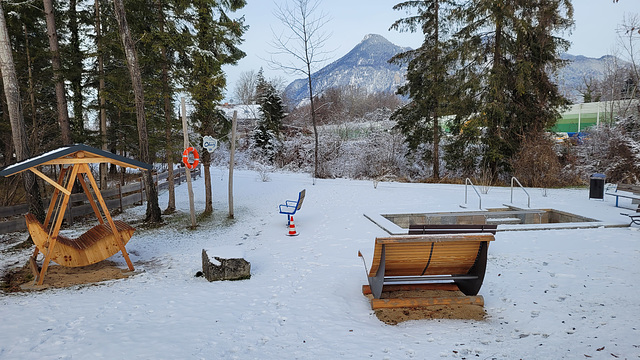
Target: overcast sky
(594,34)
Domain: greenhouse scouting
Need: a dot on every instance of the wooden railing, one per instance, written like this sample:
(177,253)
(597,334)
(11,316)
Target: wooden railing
(12,217)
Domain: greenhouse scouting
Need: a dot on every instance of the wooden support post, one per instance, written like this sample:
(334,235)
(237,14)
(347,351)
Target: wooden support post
(120,195)
(185,133)
(425,302)
(231,161)
(114,229)
(90,198)
(366,289)
(53,238)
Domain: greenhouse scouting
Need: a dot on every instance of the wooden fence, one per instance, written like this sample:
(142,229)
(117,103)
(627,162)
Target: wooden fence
(12,217)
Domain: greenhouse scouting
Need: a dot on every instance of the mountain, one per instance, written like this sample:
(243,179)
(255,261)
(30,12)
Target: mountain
(365,66)
(571,77)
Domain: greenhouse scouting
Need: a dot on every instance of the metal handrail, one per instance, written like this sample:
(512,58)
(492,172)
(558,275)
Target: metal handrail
(523,189)
(468,181)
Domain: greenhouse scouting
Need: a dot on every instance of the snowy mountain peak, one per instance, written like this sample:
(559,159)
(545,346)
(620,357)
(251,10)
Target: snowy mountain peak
(365,66)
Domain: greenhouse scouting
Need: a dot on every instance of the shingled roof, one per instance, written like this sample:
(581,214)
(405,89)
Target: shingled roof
(59,155)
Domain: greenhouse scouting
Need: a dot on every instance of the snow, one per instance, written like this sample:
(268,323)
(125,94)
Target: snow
(549,294)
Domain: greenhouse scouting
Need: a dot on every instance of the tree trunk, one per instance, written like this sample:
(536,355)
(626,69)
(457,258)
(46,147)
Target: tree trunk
(75,74)
(206,167)
(32,97)
(61,98)
(18,131)
(168,116)
(313,114)
(436,122)
(153,210)
(101,88)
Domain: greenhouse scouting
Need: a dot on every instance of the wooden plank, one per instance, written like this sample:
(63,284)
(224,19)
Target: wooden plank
(94,207)
(366,289)
(56,228)
(116,234)
(435,238)
(48,179)
(426,302)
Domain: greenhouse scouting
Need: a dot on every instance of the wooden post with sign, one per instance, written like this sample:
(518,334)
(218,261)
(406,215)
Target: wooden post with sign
(234,123)
(185,133)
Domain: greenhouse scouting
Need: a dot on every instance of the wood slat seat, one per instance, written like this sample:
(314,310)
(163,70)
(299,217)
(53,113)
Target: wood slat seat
(95,245)
(409,259)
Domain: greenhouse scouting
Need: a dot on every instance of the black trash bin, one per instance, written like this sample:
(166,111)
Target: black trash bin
(596,186)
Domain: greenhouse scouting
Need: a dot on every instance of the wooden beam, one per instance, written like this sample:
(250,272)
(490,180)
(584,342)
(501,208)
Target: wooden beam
(426,302)
(54,197)
(366,290)
(89,160)
(90,198)
(56,228)
(107,215)
(435,238)
(48,179)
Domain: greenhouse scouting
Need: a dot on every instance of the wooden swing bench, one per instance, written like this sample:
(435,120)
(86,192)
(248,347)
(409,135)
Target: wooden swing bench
(95,245)
(98,243)
(414,262)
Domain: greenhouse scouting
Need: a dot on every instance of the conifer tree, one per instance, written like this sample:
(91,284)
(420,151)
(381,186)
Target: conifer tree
(216,41)
(428,81)
(266,134)
(511,46)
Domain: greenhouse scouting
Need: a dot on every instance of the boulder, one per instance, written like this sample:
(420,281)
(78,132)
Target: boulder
(218,268)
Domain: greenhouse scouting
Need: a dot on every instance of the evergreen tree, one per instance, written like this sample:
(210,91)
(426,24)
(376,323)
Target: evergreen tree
(428,81)
(266,134)
(512,47)
(216,41)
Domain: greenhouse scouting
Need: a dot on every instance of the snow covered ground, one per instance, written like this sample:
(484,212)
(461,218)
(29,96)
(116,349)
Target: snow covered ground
(550,294)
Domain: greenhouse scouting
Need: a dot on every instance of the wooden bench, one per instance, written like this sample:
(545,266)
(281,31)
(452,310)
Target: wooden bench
(627,191)
(290,207)
(460,259)
(452,229)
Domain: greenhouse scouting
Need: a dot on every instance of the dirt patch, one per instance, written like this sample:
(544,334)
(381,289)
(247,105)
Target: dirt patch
(60,277)
(398,315)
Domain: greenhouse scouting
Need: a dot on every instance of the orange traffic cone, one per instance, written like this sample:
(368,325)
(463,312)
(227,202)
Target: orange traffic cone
(292,227)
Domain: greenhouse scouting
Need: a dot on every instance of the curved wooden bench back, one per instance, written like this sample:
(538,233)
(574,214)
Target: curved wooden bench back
(460,258)
(95,245)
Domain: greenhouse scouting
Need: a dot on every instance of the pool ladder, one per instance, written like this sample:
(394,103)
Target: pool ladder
(523,189)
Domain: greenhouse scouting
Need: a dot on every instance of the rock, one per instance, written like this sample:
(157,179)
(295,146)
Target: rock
(225,269)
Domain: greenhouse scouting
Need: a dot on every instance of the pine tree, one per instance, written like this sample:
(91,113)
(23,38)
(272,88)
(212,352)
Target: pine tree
(266,134)
(511,47)
(428,81)
(216,41)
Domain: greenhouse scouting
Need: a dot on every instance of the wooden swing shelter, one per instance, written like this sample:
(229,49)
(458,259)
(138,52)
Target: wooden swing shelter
(97,244)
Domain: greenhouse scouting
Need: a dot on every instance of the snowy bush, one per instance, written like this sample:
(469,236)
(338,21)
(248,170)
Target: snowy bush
(612,149)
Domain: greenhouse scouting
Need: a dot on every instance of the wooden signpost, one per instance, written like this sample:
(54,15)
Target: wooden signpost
(185,133)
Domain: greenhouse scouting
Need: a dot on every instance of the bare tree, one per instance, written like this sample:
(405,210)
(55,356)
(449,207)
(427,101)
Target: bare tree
(245,90)
(153,209)
(629,37)
(61,98)
(18,130)
(302,43)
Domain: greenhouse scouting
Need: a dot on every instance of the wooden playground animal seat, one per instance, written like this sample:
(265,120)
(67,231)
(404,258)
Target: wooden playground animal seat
(97,244)
(427,259)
